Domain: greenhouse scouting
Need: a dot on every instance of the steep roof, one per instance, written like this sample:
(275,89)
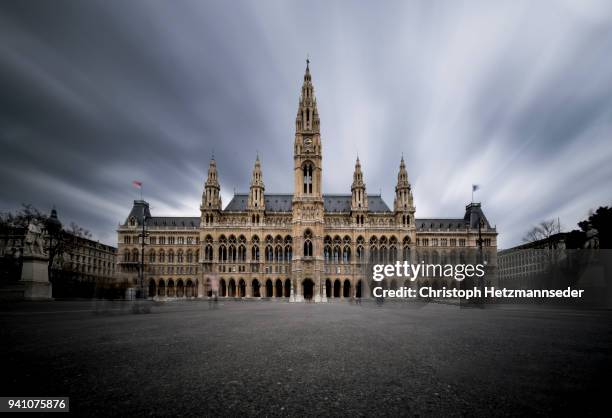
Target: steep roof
(471,219)
(439,224)
(281,202)
(139,210)
(174,221)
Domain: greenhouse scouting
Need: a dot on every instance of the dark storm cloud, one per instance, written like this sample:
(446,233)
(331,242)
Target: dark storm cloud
(511,95)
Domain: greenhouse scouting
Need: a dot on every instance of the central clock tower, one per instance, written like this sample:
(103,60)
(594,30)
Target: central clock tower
(307,202)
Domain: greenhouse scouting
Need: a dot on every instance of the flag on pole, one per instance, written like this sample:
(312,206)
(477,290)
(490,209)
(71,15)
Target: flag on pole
(474,188)
(137,184)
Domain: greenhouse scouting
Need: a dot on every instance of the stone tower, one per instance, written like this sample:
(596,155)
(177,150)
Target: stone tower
(211,197)
(307,204)
(359,199)
(256,201)
(403,204)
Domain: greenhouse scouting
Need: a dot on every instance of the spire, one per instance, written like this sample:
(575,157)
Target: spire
(257,178)
(307,72)
(402,176)
(360,199)
(403,193)
(212,173)
(357,175)
(211,198)
(307,119)
(256,196)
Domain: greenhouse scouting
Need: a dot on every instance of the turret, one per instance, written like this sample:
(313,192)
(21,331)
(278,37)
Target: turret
(256,202)
(359,201)
(211,197)
(403,203)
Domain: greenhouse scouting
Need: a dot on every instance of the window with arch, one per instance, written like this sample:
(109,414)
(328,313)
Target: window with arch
(208,252)
(288,253)
(307,174)
(346,254)
(308,244)
(222,253)
(232,253)
(278,254)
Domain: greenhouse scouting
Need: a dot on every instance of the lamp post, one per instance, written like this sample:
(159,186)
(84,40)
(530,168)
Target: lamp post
(143,235)
(54,229)
(480,241)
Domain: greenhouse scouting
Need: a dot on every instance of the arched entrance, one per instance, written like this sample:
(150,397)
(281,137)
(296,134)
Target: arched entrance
(346,291)
(268,288)
(255,286)
(241,288)
(189,289)
(170,291)
(358,289)
(287,288)
(161,289)
(328,288)
(337,288)
(222,288)
(180,289)
(152,290)
(232,288)
(278,288)
(308,288)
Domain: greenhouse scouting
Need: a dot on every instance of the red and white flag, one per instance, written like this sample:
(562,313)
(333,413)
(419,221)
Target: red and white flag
(137,184)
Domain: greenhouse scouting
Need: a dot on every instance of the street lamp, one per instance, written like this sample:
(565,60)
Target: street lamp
(54,228)
(143,235)
(480,241)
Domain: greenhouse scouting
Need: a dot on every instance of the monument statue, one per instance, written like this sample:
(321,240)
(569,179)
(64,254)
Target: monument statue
(34,243)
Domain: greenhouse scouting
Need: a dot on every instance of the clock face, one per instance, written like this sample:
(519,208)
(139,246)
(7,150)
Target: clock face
(308,142)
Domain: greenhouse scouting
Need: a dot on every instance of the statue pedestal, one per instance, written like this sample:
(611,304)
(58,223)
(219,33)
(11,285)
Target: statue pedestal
(35,278)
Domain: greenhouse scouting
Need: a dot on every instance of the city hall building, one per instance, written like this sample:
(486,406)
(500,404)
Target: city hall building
(305,245)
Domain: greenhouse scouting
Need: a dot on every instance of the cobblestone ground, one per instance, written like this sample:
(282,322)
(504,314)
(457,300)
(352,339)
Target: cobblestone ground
(266,358)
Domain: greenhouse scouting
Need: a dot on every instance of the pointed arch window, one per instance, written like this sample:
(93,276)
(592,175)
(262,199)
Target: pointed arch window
(307,169)
(308,244)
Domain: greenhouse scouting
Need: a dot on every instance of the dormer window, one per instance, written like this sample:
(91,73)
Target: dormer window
(132,221)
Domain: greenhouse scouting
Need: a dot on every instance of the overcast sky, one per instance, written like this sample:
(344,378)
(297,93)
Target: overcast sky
(514,96)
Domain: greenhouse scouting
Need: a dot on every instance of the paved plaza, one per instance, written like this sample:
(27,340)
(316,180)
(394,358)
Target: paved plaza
(267,358)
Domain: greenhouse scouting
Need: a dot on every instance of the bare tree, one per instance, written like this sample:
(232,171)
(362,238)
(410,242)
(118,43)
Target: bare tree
(64,241)
(78,231)
(544,230)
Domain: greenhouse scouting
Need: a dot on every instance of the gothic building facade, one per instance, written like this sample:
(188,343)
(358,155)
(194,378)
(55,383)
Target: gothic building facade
(304,245)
